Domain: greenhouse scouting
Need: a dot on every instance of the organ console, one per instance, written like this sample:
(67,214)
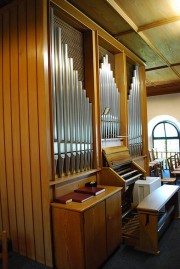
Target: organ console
(119,170)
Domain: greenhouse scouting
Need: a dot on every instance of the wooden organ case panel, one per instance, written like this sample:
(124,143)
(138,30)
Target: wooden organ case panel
(86,234)
(113,223)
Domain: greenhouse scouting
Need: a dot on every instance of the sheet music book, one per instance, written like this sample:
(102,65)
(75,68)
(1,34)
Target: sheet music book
(64,199)
(90,190)
(73,196)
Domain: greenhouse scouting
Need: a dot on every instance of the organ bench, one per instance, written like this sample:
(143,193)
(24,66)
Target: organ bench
(154,213)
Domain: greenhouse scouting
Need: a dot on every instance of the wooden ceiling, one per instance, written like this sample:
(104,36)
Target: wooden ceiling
(150,29)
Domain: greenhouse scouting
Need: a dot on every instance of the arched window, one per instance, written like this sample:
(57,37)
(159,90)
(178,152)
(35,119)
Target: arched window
(166,137)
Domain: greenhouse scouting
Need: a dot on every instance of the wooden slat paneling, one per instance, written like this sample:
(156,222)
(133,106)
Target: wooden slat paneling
(8,130)
(15,111)
(33,130)
(3,186)
(44,125)
(24,131)
(25,156)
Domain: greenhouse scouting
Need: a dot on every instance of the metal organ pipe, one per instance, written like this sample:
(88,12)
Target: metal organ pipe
(72,112)
(134,116)
(110,102)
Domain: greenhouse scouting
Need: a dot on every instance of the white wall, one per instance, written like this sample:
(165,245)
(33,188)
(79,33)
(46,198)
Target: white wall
(162,107)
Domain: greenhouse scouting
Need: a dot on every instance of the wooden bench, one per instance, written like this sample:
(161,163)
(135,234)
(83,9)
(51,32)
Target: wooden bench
(155,213)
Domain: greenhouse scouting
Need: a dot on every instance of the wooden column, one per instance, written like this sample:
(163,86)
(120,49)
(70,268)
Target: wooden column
(121,81)
(144,116)
(92,87)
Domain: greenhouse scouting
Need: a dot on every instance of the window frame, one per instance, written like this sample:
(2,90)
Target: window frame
(166,137)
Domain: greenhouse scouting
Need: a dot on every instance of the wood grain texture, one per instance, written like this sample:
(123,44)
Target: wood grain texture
(166,34)
(24,132)
(121,81)
(25,120)
(145,241)
(114,222)
(163,200)
(3,187)
(44,120)
(8,130)
(157,199)
(142,12)
(95,236)
(25,166)
(93,90)
(85,246)
(16,132)
(144,118)
(33,130)
(62,189)
(69,244)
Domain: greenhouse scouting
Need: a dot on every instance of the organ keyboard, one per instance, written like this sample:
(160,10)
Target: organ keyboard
(119,170)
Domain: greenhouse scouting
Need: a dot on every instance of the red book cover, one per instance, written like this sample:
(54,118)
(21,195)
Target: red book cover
(81,197)
(64,199)
(73,196)
(91,190)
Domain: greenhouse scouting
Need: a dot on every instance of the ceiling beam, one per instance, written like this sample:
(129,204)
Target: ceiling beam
(172,83)
(161,67)
(158,23)
(149,26)
(123,33)
(121,12)
(162,89)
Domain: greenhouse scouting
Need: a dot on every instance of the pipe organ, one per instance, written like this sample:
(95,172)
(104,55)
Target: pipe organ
(134,117)
(72,112)
(110,102)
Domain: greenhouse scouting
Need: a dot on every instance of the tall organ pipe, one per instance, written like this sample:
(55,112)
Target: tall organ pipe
(110,102)
(72,112)
(134,116)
